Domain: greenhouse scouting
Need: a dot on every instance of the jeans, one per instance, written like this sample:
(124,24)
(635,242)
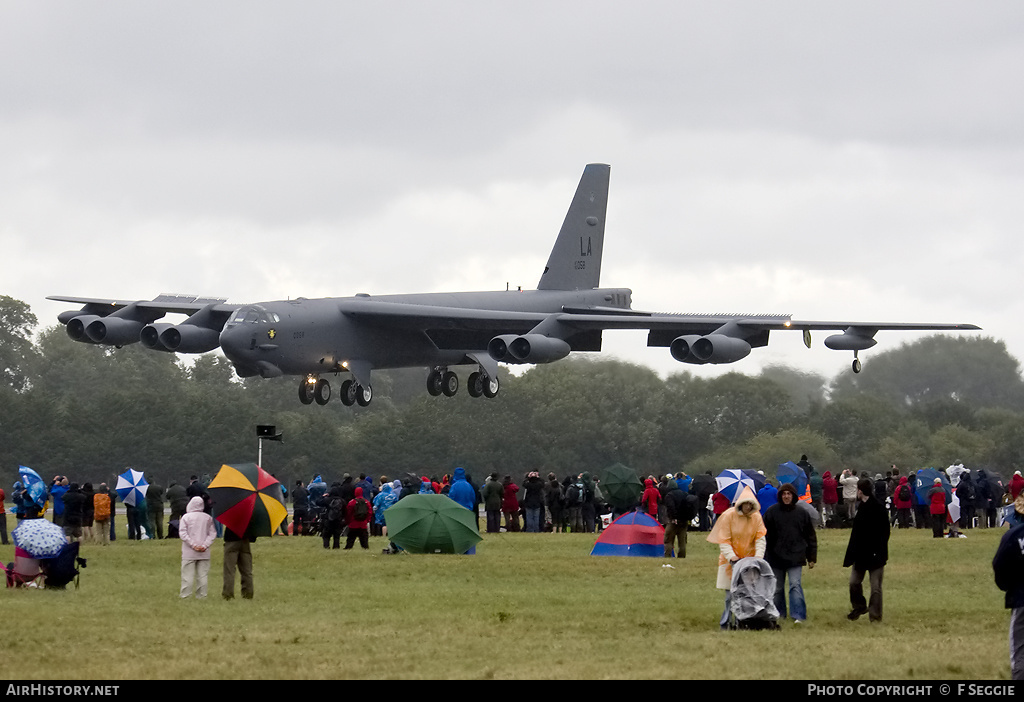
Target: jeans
(797,604)
(533,519)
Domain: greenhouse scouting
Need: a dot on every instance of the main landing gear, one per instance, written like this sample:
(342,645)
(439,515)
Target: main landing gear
(856,363)
(441,381)
(319,390)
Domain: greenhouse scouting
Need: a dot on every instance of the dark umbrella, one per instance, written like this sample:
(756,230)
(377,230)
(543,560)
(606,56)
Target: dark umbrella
(621,486)
(790,472)
(432,524)
(247,499)
(925,481)
(758,478)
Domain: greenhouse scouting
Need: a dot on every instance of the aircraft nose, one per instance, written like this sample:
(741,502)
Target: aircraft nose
(235,343)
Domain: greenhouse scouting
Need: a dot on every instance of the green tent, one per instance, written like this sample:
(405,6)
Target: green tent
(432,524)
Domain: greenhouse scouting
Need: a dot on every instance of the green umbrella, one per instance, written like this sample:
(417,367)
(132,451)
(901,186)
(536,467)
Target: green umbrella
(431,524)
(620,486)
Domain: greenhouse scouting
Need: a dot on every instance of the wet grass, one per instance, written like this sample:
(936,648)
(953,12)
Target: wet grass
(525,606)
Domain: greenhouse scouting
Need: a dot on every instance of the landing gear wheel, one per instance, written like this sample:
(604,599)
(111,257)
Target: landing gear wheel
(475,384)
(322,393)
(348,393)
(491,388)
(363,395)
(450,384)
(306,392)
(856,365)
(434,383)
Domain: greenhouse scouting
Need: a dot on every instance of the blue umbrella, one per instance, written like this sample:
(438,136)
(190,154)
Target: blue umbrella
(730,482)
(925,481)
(790,472)
(40,538)
(131,486)
(34,484)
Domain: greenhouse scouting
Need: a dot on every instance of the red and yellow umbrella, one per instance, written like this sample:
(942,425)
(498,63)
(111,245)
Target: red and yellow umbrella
(247,499)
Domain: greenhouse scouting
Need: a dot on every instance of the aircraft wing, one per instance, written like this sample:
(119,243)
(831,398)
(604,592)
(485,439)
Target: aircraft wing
(184,304)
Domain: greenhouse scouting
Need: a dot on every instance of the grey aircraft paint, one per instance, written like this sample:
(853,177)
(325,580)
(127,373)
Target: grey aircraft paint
(319,338)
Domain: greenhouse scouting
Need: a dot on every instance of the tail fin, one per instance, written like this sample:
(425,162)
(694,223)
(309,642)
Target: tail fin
(575,260)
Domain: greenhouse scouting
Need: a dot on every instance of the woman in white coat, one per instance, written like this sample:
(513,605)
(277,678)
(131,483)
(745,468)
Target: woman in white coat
(197,532)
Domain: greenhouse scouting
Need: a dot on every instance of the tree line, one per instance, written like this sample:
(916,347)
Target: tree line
(90,412)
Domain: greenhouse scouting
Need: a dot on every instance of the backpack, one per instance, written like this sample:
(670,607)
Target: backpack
(904,493)
(362,510)
(101,507)
(572,495)
(334,510)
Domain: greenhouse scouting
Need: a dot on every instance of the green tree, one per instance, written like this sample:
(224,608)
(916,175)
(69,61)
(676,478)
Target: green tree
(16,325)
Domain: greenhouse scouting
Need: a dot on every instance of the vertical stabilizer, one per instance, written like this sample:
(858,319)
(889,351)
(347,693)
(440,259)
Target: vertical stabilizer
(575,260)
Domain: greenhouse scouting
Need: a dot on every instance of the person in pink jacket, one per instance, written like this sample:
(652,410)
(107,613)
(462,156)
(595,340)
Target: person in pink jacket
(197,532)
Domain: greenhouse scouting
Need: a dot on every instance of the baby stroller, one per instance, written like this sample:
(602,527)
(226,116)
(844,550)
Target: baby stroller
(753,593)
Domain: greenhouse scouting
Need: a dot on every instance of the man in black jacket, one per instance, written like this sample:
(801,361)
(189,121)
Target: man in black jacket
(1008,565)
(680,509)
(867,552)
(790,543)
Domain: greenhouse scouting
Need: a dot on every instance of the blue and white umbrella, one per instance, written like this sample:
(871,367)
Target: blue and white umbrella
(131,486)
(40,538)
(34,484)
(730,483)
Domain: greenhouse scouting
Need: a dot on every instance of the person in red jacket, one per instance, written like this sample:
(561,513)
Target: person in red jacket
(650,499)
(1016,485)
(359,512)
(510,504)
(937,508)
(903,501)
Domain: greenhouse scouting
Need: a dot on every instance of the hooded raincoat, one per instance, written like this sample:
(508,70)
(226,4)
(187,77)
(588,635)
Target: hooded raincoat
(738,535)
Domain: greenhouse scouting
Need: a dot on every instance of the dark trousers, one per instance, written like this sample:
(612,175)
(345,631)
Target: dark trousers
(237,555)
(493,521)
(857,601)
(675,531)
(156,520)
(134,532)
(353,534)
(299,523)
(3,529)
(938,524)
(332,531)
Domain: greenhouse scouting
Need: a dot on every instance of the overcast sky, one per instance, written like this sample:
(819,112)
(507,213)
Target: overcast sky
(857,160)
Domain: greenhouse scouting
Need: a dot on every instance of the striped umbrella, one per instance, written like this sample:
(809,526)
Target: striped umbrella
(131,486)
(730,483)
(247,499)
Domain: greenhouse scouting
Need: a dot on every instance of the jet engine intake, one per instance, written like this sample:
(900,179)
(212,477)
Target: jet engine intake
(681,346)
(713,348)
(150,336)
(76,327)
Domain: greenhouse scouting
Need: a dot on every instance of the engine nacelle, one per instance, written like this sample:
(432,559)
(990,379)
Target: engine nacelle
(849,341)
(76,327)
(115,331)
(150,336)
(713,348)
(528,348)
(497,348)
(681,346)
(537,348)
(188,338)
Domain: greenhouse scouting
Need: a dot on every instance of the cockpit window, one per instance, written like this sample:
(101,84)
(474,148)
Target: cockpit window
(253,314)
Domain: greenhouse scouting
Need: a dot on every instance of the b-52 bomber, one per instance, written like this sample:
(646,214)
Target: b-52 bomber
(351,336)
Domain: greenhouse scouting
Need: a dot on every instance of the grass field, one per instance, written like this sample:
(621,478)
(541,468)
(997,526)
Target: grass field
(525,606)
